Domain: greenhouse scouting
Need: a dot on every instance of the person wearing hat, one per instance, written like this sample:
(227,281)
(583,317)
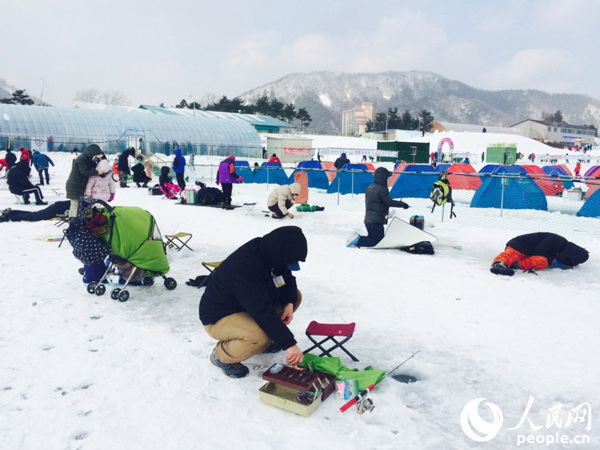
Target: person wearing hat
(250,300)
(536,251)
(281,199)
(226,176)
(377,205)
(83,167)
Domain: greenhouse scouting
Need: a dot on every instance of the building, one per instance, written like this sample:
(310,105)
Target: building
(354,121)
(148,128)
(563,133)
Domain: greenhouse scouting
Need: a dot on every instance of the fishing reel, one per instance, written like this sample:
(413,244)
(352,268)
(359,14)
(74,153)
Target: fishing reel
(366,404)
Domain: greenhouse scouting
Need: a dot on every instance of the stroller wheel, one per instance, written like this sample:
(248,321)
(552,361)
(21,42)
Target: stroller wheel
(170,283)
(123,296)
(100,289)
(91,288)
(147,281)
(115,293)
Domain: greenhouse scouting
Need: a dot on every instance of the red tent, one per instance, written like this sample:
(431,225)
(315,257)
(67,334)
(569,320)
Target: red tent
(469,182)
(549,185)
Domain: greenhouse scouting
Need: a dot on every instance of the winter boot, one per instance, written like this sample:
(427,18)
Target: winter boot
(235,370)
(353,240)
(499,268)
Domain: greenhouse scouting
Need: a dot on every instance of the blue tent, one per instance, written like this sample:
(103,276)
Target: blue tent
(591,207)
(559,172)
(489,168)
(509,193)
(270,172)
(421,168)
(316,176)
(242,168)
(413,185)
(351,179)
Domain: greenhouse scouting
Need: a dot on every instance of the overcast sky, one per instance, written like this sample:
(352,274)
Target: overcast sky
(162,51)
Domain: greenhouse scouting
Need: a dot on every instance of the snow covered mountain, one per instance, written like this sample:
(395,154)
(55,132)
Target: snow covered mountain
(326,94)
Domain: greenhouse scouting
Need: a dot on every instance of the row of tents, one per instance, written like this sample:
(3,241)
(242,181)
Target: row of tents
(495,185)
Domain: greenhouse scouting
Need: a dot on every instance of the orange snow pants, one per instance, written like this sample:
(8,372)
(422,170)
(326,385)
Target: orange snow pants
(510,256)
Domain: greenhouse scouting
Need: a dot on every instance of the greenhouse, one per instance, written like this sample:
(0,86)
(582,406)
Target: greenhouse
(116,128)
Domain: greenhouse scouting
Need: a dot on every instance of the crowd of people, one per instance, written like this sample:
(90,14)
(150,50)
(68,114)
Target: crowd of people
(251,298)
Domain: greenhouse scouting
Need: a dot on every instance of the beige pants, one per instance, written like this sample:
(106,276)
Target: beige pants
(73,208)
(240,337)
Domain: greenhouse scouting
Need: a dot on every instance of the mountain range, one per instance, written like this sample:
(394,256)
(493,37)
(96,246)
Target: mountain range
(326,94)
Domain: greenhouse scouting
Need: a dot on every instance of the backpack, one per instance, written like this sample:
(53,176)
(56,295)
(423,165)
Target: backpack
(420,248)
(210,196)
(441,193)
(87,248)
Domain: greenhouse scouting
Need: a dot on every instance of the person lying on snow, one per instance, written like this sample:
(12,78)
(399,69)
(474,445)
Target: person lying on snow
(51,212)
(536,251)
(281,199)
(250,299)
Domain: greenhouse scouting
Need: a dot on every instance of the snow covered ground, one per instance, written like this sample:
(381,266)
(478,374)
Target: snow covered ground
(81,371)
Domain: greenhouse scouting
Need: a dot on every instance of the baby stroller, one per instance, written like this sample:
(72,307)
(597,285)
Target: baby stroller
(134,245)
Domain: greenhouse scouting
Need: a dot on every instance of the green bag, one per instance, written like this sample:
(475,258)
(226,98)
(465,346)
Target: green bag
(332,365)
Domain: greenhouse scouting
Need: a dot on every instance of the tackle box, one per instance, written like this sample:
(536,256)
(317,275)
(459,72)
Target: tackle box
(285,384)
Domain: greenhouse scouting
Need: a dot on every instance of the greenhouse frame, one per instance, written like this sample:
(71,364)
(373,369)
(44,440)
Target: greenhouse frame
(149,129)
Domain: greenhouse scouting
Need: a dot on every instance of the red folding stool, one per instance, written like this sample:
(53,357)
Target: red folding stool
(330,331)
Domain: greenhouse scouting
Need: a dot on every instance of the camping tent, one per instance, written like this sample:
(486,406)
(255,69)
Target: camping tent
(316,175)
(415,181)
(467,182)
(330,169)
(591,207)
(549,185)
(509,193)
(560,174)
(351,179)
(242,168)
(270,172)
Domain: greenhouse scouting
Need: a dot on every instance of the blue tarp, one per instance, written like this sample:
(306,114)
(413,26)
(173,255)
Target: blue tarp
(421,168)
(351,179)
(413,185)
(272,173)
(242,168)
(591,207)
(316,176)
(509,193)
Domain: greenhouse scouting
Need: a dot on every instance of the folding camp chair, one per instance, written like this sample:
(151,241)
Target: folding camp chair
(249,207)
(178,240)
(330,331)
(210,266)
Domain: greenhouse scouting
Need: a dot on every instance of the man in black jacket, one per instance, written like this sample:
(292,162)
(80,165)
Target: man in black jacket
(123,166)
(251,298)
(377,205)
(19,184)
(341,161)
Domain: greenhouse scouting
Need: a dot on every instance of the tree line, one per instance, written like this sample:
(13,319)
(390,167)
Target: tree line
(19,97)
(391,120)
(262,105)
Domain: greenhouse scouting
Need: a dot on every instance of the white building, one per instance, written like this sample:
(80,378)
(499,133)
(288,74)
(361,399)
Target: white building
(563,133)
(354,121)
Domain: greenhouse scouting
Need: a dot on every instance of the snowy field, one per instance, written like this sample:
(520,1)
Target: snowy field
(81,371)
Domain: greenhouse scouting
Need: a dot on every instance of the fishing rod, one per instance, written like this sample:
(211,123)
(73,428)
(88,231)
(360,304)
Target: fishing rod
(363,394)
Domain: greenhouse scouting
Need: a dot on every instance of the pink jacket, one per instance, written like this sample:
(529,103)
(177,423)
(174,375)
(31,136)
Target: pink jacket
(101,187)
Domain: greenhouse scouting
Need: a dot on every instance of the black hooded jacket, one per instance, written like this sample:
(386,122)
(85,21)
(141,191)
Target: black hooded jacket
(341,161)
(551,246)
(244,282)
(18,178)
(377,198)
